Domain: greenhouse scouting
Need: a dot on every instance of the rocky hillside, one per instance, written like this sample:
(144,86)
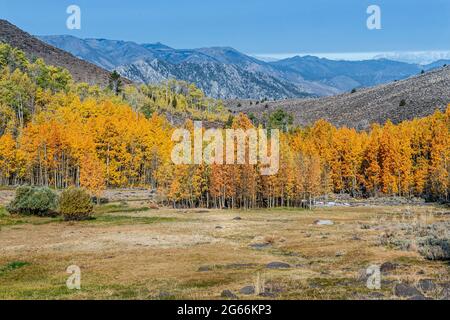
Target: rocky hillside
(223,72)
(347,75)
(220,72)
(217,80)
(82,71)
(418,96)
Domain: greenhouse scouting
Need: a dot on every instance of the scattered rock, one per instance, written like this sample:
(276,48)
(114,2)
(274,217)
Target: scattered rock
(260,245)
(405,290)
(324,222)
(278,265)
(237,219)
(274,288)
(228,294)
(356,238)
(248,290)
(340,254)
(419,297)
(426,285)
(376,295)
(387,283)
(445,294)
(268,295)
(219,227)
(204,269)
(388,267)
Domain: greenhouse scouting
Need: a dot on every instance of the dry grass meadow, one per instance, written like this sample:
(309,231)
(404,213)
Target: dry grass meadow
(132,252)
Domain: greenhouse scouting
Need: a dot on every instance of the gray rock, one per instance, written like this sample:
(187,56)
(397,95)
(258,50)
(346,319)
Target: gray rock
(427,285)
(340,254)
(204,269)
(445,294)
(248,290)
(274,288)
(405,290)
(260,245)
(388,267)
(324,222)
(419,297)
(228,294)
(376,295)
(278,265)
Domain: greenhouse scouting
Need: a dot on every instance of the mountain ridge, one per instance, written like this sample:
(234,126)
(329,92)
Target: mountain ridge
(415,97)
(81,70)
(312,76)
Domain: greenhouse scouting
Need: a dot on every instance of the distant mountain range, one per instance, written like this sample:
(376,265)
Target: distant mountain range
(226,73)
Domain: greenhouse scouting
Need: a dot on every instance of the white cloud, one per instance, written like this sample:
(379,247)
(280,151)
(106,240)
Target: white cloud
(419,57)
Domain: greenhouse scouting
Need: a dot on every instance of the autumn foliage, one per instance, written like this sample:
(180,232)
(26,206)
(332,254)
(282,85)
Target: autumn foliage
(59,134)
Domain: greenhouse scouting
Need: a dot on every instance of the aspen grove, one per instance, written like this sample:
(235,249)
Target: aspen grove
(56,133)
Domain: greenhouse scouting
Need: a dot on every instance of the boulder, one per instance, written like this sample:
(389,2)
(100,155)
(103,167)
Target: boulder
(260,245)
(278,265)
(406,291)
(324,222)
(388,267)
(228,294)
(204,269)
(426,285)
(419,297)
(248,290)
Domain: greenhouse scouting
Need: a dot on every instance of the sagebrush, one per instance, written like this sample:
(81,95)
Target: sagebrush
(75,204)
(38,201)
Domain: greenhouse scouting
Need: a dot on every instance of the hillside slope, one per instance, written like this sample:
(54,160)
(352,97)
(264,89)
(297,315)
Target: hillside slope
(220,71)
(217,80)
(224,72)
(347,75)
(82,71)
(418,96)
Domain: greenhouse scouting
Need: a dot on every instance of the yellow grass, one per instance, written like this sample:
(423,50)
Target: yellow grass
(156,254)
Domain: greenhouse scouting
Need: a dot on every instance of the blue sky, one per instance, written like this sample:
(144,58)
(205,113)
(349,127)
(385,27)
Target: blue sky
(266,27)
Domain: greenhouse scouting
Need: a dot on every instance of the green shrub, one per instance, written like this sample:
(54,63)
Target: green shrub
(436,249)
(38,201)
(75,204)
